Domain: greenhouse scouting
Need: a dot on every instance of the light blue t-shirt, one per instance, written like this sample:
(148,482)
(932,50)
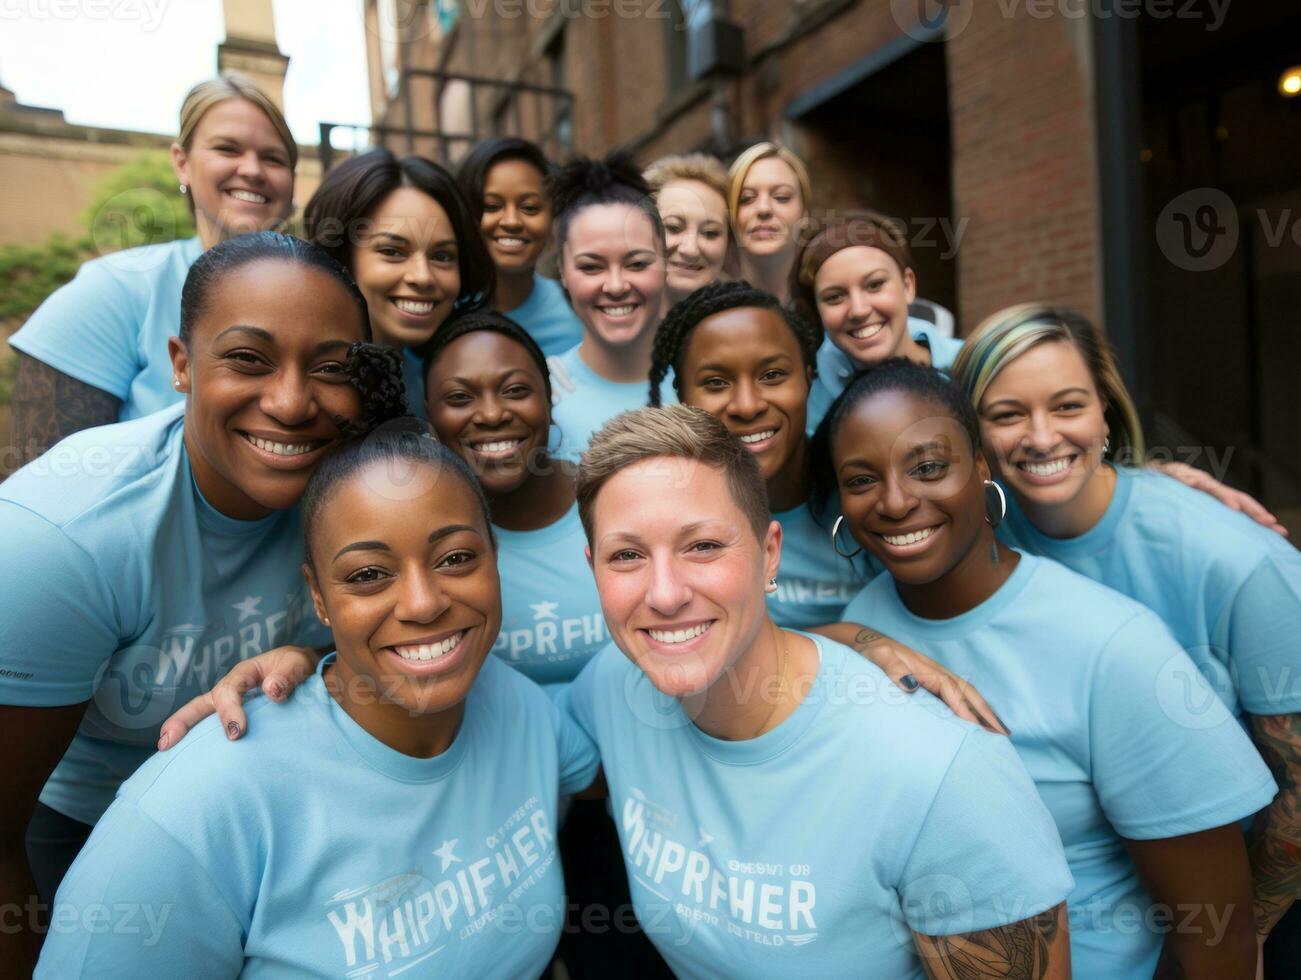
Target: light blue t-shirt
(593,402)
(815,848)
(814,584)
(1228,589)
(551,621)
(835,368)
(548,317)
(129,590)
(109,326)
(1121,734)
(309,847)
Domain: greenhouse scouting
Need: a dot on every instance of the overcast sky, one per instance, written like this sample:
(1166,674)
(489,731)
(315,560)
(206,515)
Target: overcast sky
(127,64)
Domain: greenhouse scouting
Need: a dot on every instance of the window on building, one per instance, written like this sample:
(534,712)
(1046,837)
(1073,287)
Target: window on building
(562,123)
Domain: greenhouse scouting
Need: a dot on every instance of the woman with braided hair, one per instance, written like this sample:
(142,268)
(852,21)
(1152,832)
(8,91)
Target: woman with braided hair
(739,355)
(610,242)
(405,231)
(158,552)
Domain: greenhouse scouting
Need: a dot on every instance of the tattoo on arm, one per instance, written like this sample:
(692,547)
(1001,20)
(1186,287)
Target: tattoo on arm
(1276,838)
(867,635)
(48,405)
(1022,950)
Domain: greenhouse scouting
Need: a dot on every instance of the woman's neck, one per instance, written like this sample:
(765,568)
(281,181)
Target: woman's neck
(421,736)
(974,579)
(770,273)
(1078,515)
(760,690)
(540,500)
(626,363)
(512,289)
(789,486)
(209,233)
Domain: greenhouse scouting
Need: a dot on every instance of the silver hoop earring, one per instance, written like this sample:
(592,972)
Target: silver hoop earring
(1002,503)
(835,540)
(183,188)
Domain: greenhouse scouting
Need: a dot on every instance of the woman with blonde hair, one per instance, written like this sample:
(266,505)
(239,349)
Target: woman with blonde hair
(95,351)
(1061,431)
(690,192)
(768,198)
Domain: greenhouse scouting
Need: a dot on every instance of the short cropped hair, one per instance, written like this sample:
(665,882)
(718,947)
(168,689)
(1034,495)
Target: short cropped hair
(674,432)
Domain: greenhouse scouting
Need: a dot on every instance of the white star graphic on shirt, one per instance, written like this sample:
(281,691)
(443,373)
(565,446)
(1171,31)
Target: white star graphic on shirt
(445,852)
(705,837)
(249,607)
(544,610)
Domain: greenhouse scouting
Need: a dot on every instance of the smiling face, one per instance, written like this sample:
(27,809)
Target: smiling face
(910,490)
(267,385)
(743,366)
(406,265)
(679,571)
(770,208)
(516,215)
(488,402)
(863,298)
(613,269)
(237,172)
(405,574)
(695,230)
(1042,421)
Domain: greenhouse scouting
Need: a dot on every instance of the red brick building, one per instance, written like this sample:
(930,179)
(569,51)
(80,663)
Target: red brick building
(1038,149)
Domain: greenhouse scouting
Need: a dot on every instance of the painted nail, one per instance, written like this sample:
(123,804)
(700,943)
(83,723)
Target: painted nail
(909,682)
(232,730)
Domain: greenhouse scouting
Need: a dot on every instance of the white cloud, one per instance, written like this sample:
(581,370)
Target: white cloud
(127,64)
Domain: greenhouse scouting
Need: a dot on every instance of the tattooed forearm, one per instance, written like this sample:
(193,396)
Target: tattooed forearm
(48,405)
(1276,838)
(1032,949)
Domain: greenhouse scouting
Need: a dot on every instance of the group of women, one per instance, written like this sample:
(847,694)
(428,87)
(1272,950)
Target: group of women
(526,627)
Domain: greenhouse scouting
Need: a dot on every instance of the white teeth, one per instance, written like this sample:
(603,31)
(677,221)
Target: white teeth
(867,332)
(430,651)
(759,436)
(1051,468)
(281,448)
(249,196)
(679,636)
(510,242)
(414,306)
(619,310)
(912,537)
(501,446)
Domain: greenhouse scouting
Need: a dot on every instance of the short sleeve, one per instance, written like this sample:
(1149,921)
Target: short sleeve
(60,623)
(579,759)
(988,852)
(1261,630)
(89,329)
(1167,758)
(136,903)
(578,698)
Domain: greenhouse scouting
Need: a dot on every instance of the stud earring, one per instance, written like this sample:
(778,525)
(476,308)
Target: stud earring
(1106,445)
(184,189)
(176,383)
(771,587)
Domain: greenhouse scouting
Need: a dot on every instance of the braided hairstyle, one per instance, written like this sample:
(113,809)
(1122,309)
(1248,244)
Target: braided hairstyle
(375,370)
(583,182)
(491,321)
(893,374)
(675,330)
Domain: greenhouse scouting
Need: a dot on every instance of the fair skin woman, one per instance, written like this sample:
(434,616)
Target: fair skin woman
(769,214)
(695,233)
(913,498)
(862,299)
(238,172)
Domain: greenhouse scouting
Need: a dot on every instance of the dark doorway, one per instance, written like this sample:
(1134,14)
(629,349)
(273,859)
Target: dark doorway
(1221,171)
(882,141)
